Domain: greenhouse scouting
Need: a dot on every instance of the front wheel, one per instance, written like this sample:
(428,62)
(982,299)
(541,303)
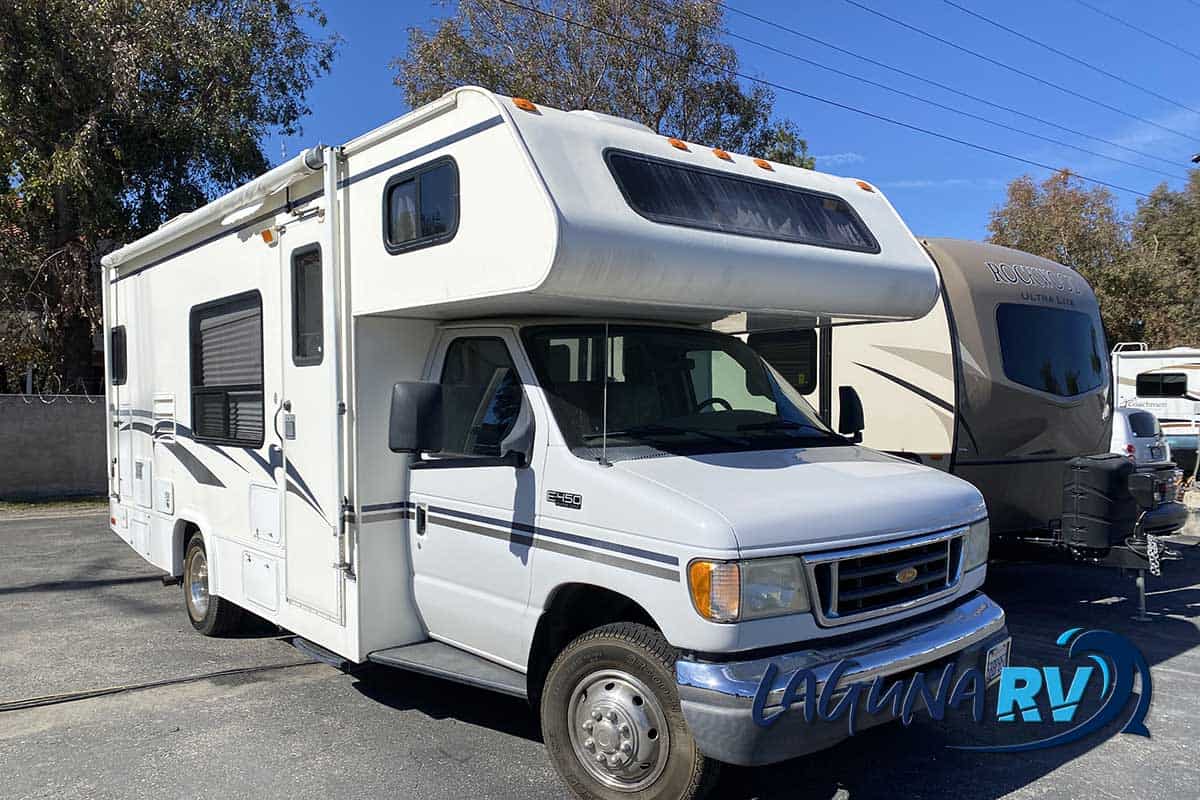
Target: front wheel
(211,615)
(611,719)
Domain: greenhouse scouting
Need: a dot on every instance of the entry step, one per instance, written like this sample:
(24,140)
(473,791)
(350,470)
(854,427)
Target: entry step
(443,661)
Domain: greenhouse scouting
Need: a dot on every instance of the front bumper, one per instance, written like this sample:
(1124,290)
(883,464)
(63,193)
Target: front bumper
(716,698)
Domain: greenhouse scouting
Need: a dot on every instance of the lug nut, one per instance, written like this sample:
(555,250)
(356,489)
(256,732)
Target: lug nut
(590,744)
(600,758)
(596,715)
(625,731)
(626,748)
(612,716)
(588,725)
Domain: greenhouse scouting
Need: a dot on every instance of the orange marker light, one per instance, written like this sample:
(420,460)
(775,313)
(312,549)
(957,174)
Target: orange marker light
(762,162)
(866,187)
(268,235)
(678,144)
(721,154)
(523,104)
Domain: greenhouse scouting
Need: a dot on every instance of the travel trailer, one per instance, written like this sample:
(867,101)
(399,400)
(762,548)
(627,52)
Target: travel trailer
(1167,384)
(446,398)
(1003,383)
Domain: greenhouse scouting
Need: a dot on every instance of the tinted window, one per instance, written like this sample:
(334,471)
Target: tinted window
(481,396)
(1162,384)
(421,207)
(308,344)
(677,194)
(119,359)
(227,370)
(793,353)
(1051,349)
(1143,423)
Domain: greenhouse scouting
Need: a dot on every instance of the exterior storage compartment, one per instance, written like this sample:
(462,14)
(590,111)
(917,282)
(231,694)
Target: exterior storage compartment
(1098,511)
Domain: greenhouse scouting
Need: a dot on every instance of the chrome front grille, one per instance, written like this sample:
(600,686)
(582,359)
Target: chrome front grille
(863,582)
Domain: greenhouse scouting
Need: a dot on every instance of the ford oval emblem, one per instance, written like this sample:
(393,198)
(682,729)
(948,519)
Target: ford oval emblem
(906,575)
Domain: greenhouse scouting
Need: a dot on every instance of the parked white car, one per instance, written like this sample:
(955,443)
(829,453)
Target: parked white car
(1137,435)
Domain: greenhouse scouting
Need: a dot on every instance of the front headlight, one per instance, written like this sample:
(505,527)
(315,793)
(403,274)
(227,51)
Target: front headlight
(734,591)
(978,539)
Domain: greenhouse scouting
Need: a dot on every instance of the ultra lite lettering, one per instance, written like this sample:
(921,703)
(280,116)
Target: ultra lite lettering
(1014,274)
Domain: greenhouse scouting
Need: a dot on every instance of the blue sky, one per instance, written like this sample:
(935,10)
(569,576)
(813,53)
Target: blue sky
(941,188)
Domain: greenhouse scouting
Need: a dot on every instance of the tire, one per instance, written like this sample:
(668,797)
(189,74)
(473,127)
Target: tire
(209,614)
(624,673)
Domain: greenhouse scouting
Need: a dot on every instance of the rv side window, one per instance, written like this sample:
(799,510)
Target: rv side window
(1161,384)
(678,194)
(227,370)
(793,353)
(119,359)
(308,346)
(481,396)
(420,207)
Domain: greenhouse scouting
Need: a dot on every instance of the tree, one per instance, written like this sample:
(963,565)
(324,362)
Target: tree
(1081,228)
(668,70)
(115,116)
(1166,236)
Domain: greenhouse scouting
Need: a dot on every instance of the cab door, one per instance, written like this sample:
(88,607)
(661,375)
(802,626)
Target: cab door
(472,532)
(307,424)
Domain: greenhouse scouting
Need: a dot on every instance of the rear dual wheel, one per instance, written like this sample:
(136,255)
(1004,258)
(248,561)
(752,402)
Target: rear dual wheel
(612,723)
(209,614)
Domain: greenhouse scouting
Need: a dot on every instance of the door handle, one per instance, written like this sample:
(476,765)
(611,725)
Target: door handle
(422,518)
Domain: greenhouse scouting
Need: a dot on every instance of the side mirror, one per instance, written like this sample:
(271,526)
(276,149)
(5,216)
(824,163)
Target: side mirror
(850,420)
(517,446)
(415,425)
(1141,486)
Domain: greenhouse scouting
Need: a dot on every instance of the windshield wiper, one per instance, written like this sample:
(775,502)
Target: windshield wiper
(659,429)
(788,424)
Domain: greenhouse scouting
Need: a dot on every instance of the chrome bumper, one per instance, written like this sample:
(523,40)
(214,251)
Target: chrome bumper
(716,697)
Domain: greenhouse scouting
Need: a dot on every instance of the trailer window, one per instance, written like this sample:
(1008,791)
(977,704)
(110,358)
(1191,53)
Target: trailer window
(227,370)
(308,346)
(481,396)
(118,360)
(1144,424)
(793,353)
(1051,349)
(678,194)
(1161,384)
(420,207)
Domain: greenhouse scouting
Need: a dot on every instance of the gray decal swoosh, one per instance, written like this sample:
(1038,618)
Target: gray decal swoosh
(201,473)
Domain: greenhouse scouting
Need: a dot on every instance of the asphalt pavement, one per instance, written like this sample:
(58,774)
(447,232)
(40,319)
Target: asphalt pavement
(103,695)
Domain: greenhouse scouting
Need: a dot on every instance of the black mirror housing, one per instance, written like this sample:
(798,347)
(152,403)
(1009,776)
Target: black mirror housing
(415,424)
(850,418)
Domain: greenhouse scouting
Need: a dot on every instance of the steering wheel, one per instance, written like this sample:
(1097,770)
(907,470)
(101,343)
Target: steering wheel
(712,401)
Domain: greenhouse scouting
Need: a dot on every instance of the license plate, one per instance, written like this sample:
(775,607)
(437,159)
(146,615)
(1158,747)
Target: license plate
(997,660)
(1156,452)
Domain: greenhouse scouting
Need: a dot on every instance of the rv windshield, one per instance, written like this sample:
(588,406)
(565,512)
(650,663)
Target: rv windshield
(672,390)
(1051,349)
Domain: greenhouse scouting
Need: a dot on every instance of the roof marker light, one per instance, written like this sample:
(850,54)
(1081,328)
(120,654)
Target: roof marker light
(678,144)
(523,104)
(721,154)
(762,162)
(866,187)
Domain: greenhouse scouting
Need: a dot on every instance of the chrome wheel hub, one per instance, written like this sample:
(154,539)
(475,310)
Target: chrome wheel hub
(197,585)
(618,730)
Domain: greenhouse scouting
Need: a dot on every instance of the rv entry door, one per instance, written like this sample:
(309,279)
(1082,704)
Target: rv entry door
(306,422)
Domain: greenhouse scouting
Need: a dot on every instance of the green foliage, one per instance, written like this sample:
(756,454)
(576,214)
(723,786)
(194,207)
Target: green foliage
(1143,269)
(116,115)
(524,54)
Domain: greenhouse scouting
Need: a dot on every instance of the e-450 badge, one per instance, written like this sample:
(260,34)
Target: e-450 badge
(565,499)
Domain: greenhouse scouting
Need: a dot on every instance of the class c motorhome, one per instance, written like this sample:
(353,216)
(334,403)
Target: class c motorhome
(1004,382)
(447,398)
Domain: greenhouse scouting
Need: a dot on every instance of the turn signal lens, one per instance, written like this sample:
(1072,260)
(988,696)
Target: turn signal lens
(721,154)
(523,104)
(678,144)
(978,541)
(762,162)
(716,589)
(866,187)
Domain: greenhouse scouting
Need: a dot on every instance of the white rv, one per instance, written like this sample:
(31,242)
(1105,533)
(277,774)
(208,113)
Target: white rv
(446,398)
(1167,384)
